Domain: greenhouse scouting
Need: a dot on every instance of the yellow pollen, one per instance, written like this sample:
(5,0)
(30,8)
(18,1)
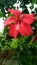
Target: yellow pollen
(20,17)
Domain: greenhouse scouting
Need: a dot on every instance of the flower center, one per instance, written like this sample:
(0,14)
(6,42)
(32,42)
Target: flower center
(17,28)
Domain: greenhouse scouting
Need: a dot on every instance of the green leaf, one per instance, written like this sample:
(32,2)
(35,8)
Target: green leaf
(1,14)
(14,43)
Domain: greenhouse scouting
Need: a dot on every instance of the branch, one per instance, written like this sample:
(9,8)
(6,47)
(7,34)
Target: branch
(36,18)
(34,39)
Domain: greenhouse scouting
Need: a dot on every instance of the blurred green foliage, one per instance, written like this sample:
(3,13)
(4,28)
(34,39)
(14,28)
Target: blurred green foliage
(18,51)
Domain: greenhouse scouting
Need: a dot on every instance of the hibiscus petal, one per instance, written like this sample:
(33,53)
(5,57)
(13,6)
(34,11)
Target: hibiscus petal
(13,32)
(9,21)
(16,13)
(28,18)
(25,30)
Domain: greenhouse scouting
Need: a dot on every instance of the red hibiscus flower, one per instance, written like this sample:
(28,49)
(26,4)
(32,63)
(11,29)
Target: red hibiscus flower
(21,23)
